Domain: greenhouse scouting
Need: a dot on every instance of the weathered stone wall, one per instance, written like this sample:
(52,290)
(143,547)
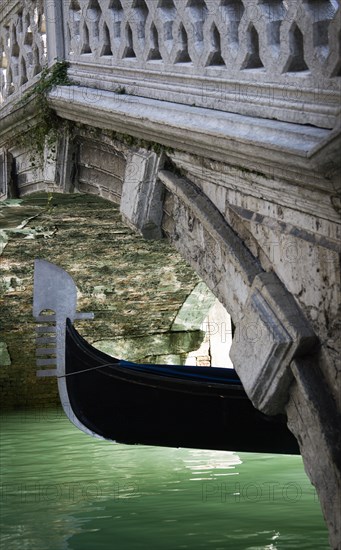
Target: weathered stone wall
(293,230)
(134,287)
(248,233)
(247,95)
(292,275)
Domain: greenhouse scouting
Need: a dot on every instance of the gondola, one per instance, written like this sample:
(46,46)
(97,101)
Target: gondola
(166,405)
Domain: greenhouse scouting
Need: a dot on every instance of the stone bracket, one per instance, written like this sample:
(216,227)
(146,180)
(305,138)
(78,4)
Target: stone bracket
(66,163)
(271,332)
(142,194)
(6,161)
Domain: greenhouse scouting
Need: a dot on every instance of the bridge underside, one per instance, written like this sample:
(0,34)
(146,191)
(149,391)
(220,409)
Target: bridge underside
(264,236)
(214,124)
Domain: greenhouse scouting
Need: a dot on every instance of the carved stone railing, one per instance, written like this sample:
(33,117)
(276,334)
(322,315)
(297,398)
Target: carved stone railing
(269,58)
(22,45)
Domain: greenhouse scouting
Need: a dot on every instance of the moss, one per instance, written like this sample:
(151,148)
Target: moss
(127,139)
(118,275)
(244,170)
(176,170)
(49,78)
(120,90)
(48,125)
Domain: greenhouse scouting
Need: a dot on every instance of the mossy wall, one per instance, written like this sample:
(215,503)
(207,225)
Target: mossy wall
(134,287)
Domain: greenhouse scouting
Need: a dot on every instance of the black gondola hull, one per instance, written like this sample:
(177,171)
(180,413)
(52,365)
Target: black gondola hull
(191,407)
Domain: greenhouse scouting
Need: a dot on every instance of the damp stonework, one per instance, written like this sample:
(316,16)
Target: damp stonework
(135,287)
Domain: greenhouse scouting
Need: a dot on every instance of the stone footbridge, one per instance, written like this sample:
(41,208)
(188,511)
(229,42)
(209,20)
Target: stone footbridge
(214,124)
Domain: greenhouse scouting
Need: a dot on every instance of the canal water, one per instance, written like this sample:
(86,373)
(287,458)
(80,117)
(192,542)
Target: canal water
(62,489)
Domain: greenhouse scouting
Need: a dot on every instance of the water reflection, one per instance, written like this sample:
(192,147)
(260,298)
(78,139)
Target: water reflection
(62,489)
(207,465)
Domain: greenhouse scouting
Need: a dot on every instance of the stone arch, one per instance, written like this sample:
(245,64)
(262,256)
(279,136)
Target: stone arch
(271,330)
(279,368)
(136,287)
(194,226)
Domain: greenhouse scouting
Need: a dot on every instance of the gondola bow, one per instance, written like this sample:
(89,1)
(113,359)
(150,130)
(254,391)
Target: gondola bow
(167,405)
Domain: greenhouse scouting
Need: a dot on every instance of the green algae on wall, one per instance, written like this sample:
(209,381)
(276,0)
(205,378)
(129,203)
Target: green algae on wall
(5,359)
(134,287)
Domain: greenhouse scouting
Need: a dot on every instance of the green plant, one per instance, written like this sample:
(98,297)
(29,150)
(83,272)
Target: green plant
(47,125)
(132,141)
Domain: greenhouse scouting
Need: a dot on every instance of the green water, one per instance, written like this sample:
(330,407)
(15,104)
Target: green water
(61,489)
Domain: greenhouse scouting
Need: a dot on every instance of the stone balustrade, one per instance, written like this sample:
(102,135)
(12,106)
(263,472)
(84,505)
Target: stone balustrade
(274,59)
(23,52)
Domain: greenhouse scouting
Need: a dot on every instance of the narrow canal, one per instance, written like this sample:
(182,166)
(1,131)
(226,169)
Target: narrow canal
(63,490)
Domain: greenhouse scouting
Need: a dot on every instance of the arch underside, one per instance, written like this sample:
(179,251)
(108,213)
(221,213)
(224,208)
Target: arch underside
(275,350)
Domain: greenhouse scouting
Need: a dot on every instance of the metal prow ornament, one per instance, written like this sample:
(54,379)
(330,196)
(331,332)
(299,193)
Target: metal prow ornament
(54,301)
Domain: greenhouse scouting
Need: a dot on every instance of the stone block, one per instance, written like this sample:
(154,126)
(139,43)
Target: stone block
(5,174)
(272,331)
(142,195)
(5,359)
